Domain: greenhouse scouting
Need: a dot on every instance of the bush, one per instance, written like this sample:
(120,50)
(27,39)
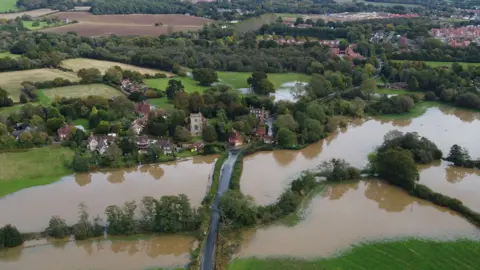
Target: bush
(57,228)
(430,96)
(10,237)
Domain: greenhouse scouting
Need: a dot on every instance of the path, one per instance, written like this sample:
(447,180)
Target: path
(225,176)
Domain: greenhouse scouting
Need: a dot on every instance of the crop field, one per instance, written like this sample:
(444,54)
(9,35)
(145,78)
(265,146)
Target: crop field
(33,13)
(79,63)
(442,64)
(7,5)
(127,25)
(11,81)
(83,90)
(398,255)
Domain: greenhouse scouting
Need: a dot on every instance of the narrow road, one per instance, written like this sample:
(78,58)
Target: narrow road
(225,176)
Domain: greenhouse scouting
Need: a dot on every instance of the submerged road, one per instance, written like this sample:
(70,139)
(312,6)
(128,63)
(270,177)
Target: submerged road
(225,176)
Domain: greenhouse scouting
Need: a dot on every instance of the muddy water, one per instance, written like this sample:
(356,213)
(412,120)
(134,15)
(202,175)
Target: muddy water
(164,251)
(346,214)
(461,183)
(445,126)
(30,209)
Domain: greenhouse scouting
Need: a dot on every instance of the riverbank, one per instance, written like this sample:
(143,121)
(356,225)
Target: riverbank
(32,167)
(394,255)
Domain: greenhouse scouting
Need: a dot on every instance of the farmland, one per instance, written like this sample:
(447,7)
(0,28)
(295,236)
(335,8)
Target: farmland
(79,63)
(32,167)
(442,64)
(7,5)
(33,13)
(399,255)
(77,91)
(127,25)
(11,81)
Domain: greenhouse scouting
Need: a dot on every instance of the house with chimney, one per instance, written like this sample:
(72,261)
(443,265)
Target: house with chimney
(99,143)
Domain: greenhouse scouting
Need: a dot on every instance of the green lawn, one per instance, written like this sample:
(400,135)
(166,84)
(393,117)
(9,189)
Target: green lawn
(33,167)
(7,5)
(163,103)
(28,25)
(81,122)
(189,84)
(398,255)
(6,111)
(239,79)
(442,64)
(9,54)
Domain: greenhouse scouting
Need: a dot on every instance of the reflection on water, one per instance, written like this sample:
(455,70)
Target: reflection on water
(118,254)
(444,126)
(346,214)
(30,209)
(460,183)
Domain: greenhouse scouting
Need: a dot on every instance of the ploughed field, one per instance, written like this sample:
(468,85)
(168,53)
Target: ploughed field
(127,25)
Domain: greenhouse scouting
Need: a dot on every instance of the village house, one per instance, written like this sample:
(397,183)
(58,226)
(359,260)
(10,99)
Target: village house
(196,146)
(142,109)
(99,143)
(259,112)
(165,145)
(235,138)
(20,128)
(197,123)
(64,132)
(142,143)
(268,139)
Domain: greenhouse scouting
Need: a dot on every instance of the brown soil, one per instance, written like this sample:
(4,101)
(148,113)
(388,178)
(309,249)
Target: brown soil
(99,29)
(142,19)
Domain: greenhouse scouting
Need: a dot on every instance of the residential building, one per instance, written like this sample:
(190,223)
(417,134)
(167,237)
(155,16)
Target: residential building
(142,143)
(197,122)
(64,132)
(196,146)
(260,112)
(99,143)
(165,145)
(235,138)
(142,108)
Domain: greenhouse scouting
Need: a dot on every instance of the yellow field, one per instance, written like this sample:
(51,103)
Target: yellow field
(79,63)
(11,81)
(76,91)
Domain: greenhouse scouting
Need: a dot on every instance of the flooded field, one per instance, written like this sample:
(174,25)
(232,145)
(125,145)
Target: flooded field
(30,209)
(445,126)
(284,92)
(346,214)
(154,252)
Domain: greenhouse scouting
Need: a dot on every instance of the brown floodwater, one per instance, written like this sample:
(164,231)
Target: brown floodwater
(347,214)
(444,125)
(460,183)
(154,252)
(30,209)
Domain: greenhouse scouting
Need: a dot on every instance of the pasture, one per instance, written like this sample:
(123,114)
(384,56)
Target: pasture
(127,25)
(33,13)
(78,91)
(8,5)
(187,82)
(397,255)
(33,167)
(11,81)
(435,64)
(239,79)
(79,63)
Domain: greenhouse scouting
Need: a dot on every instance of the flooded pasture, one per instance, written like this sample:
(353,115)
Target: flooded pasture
(445,126)
(152,252)
(285,92)
(30,209)
(349,213)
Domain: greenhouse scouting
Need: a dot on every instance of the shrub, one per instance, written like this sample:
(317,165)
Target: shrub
(10,237)
(57,228)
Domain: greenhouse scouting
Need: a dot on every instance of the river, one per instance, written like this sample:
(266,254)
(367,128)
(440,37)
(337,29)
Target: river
(118,254)
(30,209)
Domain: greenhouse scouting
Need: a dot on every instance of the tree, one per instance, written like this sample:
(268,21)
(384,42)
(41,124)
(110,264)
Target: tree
(413,83)
(173,87)
(196,102)
(175,118)
(53,124)
(320,23)
(209,134)
(23,98)
(237,210)
(121,220)
(285,137)
(181,101)
(205,76)
(369,70)
(369,87)
(57,228)
(113,75)
(3,129)
(260,84)
(458,155)
(102,128)
(157,126)
(315,111)
(319,87)
(397,166)
(343,45)
(182,134)
(174,214)
(313,130)
(285,121)
(90,75)
(5,100)
(10,237)
(299,20)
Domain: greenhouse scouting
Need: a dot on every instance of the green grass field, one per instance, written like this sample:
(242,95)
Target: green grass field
(189,84)
(398,255)
(7,5)
(78,63)
(28,25)
(81,122)
(6,111)
(34,167)
(239,79)
(76,91)
(163,103)
(8,54)
(442,64)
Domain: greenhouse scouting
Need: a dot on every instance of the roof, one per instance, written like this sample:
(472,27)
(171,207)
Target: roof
(64,131)
(142,108)
(163,143)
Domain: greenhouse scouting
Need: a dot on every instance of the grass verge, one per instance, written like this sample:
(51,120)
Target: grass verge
(397,255)
(33,167)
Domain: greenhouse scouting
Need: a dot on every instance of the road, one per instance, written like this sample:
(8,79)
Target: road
(225,176)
